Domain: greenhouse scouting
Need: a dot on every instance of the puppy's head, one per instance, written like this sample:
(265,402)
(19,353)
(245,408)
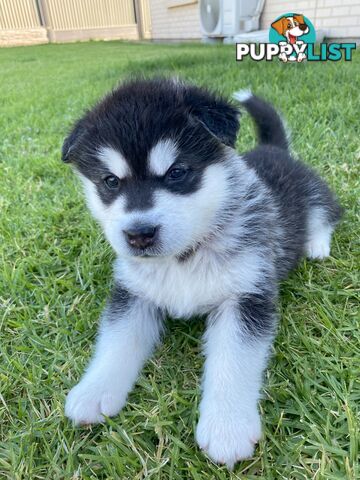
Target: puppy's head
(151,156)
(291,27)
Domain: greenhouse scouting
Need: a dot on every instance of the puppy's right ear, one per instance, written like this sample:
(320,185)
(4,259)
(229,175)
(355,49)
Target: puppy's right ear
(71,142)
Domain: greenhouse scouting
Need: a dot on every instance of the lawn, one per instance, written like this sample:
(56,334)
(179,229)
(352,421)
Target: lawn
(56,274)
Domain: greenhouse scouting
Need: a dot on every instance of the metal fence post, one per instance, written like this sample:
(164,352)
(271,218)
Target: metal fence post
(44,16)
(137,9)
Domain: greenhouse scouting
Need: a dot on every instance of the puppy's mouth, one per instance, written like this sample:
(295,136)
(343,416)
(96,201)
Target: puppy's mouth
(140,253)
(292,39)
(154,253)
(146,253)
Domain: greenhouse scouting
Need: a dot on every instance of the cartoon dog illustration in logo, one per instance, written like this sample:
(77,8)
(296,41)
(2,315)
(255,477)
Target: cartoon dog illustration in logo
(291,27)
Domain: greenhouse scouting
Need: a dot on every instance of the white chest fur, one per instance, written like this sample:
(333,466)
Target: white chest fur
(193,286)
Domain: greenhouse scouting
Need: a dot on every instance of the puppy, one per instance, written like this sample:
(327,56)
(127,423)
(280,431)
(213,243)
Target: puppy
(197,229)
(291,27)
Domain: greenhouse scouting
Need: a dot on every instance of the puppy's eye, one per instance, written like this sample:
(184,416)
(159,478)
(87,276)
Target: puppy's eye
(177,173)
(289,25)
(112,182)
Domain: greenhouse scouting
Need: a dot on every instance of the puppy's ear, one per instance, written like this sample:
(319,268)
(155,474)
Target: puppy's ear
(218,116)
(299,18)
(279,25)
(71,142)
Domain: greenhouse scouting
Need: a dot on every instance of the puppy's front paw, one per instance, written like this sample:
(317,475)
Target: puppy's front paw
(90,400)
(228,438)
(318,248)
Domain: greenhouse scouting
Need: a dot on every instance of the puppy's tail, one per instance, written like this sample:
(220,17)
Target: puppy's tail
(271,129)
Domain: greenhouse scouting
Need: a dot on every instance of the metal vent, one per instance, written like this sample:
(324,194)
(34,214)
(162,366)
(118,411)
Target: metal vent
(210,14)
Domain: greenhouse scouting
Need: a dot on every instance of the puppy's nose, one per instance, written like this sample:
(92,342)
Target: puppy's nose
(303,27)
(142,236)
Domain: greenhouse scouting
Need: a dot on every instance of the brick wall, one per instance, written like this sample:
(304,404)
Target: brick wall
(180,21)
(31,36)
(342,17)
(339,18)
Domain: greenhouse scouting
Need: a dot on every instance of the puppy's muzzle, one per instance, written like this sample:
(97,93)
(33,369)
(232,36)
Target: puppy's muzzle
(141,236)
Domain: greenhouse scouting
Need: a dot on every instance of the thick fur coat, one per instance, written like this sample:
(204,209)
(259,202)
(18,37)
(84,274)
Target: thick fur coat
(197,229)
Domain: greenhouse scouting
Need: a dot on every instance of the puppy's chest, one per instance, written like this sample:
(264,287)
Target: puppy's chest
(183,289)
(194,286)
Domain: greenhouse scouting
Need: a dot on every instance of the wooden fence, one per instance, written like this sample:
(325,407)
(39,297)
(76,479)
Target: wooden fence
(40,21)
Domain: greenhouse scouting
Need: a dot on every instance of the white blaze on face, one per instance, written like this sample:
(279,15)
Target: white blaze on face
(291,21)
(114,161)
(162,156)
(184,219)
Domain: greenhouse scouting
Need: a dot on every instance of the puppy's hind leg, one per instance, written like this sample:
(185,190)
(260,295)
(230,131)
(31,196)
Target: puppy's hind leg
(318,234)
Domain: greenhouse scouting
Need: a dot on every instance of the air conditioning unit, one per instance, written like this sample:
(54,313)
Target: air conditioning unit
(227,18)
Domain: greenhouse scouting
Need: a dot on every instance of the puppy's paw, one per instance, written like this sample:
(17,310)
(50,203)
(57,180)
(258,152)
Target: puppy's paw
(301,57)
(318,248)
(228,438)
(89,401)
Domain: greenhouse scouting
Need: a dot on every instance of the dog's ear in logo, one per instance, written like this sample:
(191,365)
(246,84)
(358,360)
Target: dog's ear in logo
(219,117)
(281,25)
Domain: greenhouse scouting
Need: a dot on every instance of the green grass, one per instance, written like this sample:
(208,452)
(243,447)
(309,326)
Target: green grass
(56,274)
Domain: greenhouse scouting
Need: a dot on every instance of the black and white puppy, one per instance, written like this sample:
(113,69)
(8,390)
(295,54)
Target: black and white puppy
(197,229)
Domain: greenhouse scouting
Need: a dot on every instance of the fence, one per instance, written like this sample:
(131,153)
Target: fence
(41,21)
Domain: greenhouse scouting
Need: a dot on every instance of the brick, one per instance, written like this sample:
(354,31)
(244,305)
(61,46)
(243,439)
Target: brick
(324,12)
(355,10)
(351,21)
(172,23)
(328,3)
(344,32)
(350,2)
(341,11)
(330,22)
(31,36)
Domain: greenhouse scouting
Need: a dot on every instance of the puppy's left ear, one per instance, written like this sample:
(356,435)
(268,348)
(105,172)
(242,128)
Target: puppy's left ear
(217,115)
(71,142)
